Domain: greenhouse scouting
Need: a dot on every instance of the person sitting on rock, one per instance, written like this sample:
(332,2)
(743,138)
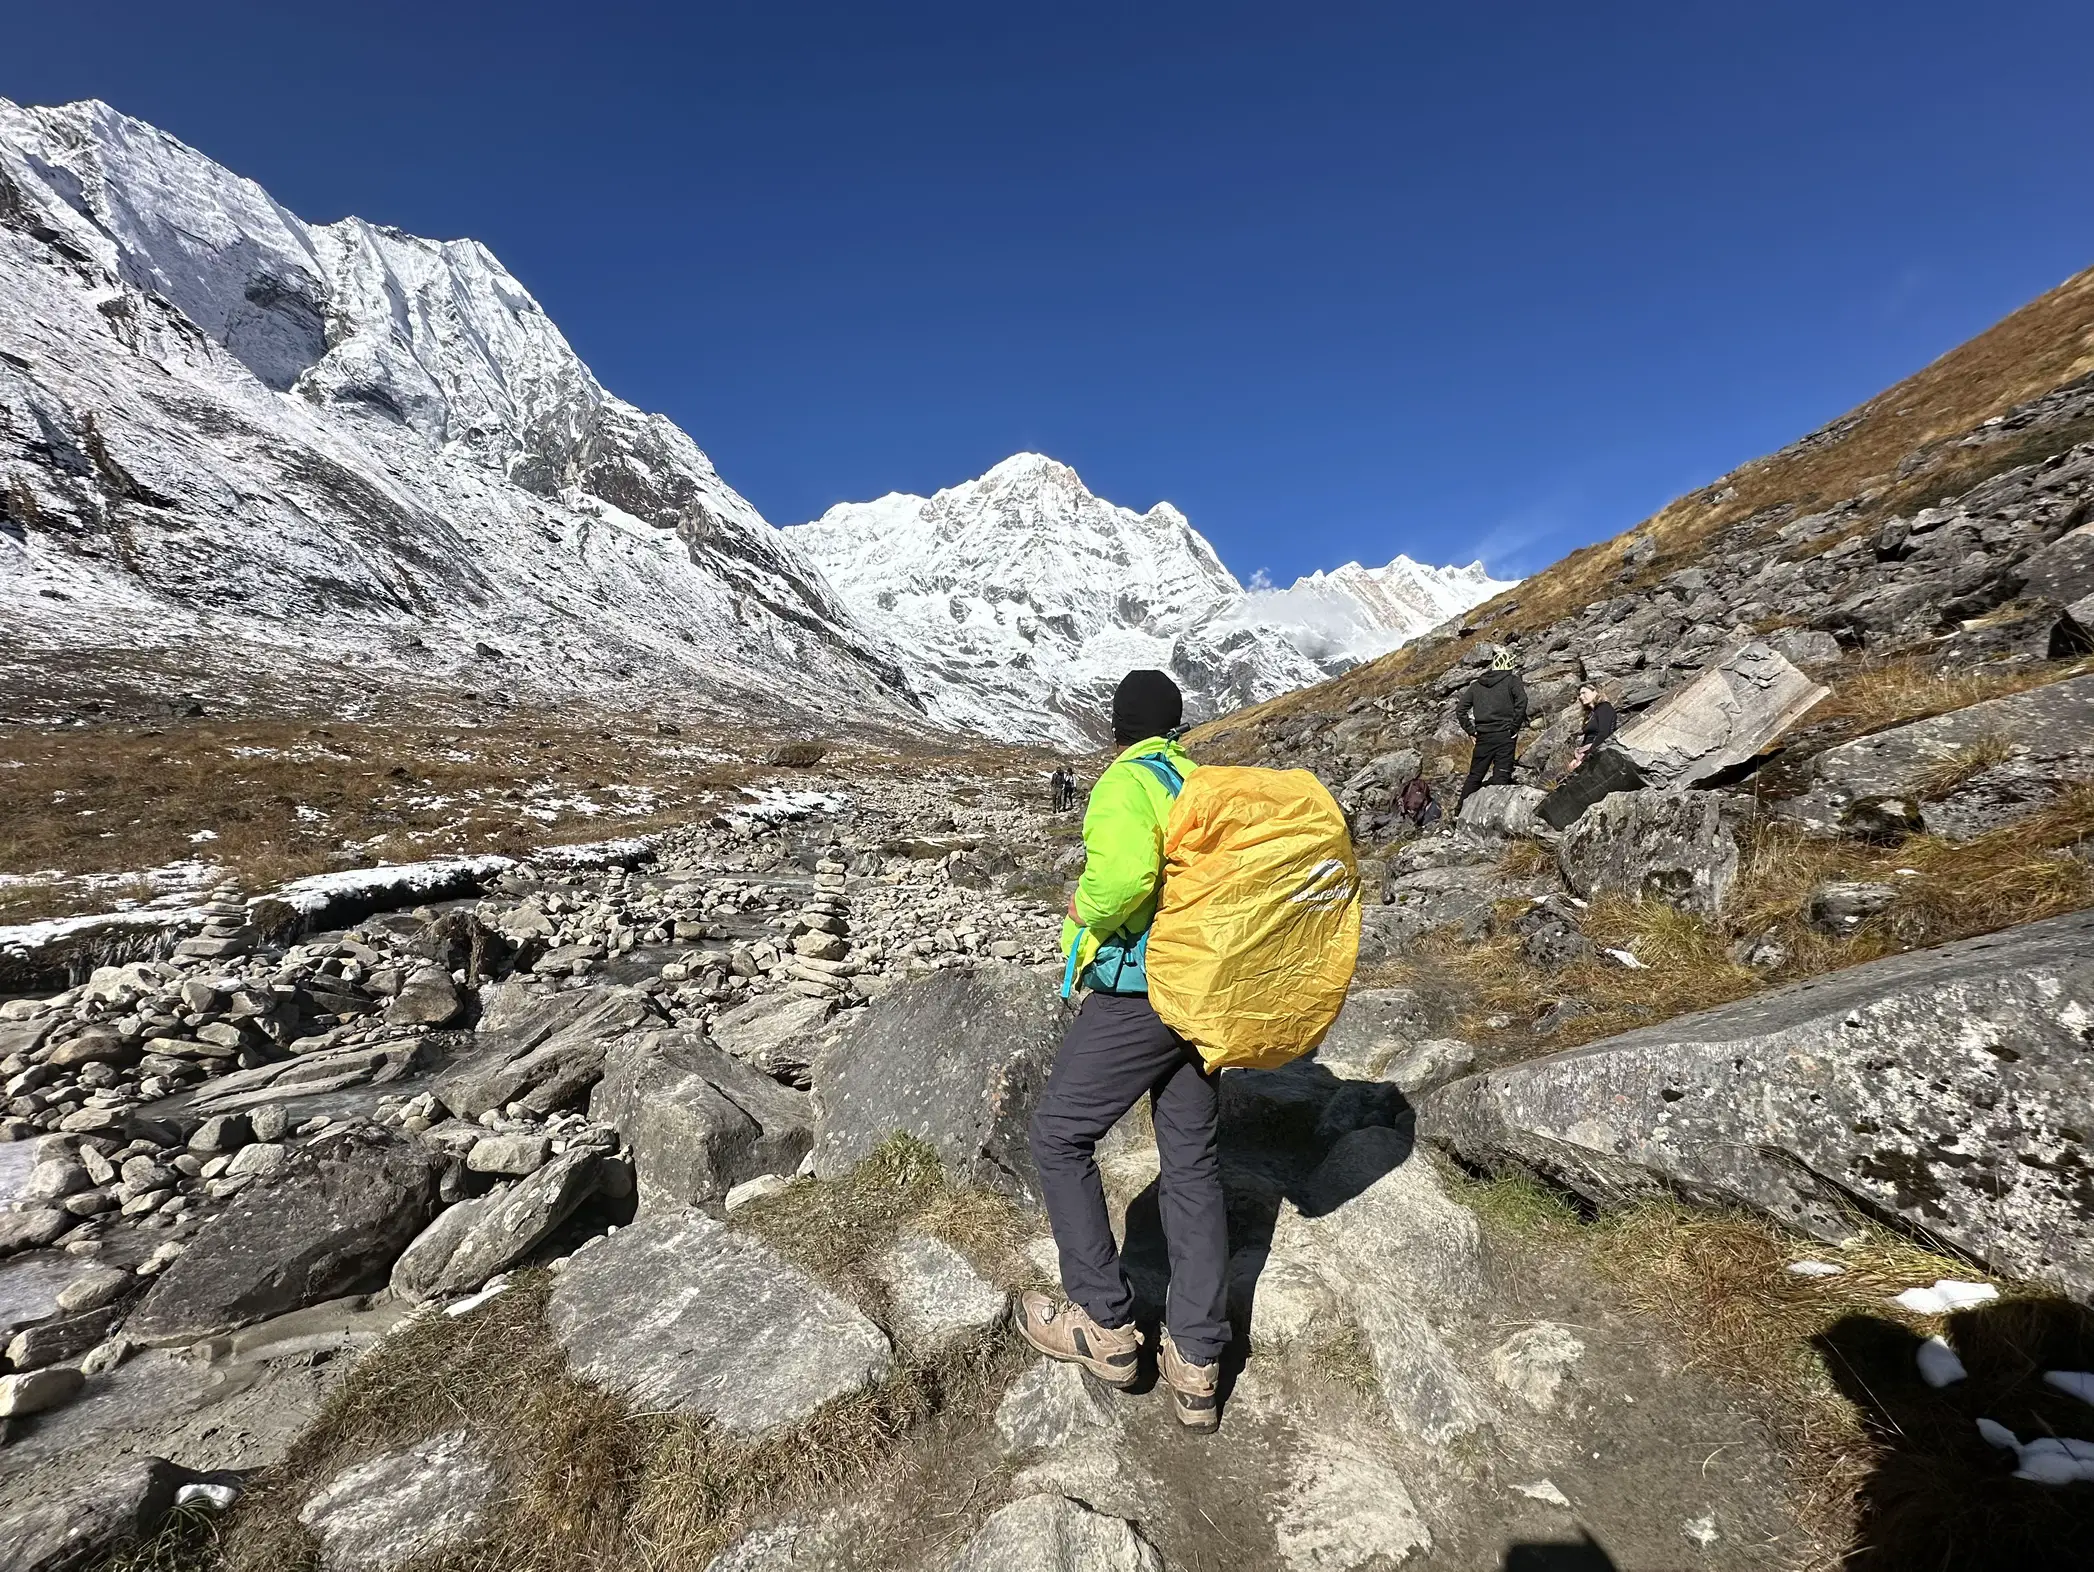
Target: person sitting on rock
(1600,722)
(1493,711)
(1117,1051)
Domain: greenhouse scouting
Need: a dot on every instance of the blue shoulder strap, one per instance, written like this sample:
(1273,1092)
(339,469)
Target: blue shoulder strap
(1163,770)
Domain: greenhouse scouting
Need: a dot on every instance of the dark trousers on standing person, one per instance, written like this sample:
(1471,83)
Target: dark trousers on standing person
(1117,1051)
(1494,753)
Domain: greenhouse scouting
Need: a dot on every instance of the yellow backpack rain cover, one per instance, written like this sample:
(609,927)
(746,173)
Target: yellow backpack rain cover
(1258,930)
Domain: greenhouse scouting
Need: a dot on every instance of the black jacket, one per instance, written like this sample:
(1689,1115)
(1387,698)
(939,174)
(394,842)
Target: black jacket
(1599,725)
(1494,706)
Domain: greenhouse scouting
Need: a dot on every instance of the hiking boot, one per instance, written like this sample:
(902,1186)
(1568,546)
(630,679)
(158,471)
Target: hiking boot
(1064,1331)
(1195,1389)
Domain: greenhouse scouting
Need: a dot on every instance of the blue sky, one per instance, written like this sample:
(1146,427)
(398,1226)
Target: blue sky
(1339,280)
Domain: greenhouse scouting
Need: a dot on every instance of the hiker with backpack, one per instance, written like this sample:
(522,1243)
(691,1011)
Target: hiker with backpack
(1493,711)
(1200,887)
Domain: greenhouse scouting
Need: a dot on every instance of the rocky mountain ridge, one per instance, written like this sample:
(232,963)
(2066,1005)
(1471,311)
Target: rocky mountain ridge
(237,447)
(1018,599)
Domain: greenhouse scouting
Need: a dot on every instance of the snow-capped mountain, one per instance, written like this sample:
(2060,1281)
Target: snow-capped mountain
(1018,600)
(235,447)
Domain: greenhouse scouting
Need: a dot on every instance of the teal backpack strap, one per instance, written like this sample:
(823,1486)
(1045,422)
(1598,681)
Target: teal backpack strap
(1163,770)
(1069,971)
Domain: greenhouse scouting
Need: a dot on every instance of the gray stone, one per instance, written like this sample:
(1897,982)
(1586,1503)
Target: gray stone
(1495,813)
(35,1391)
(1803,646)
(402,1506)
(1841,906)
(818,1542)
(1734,710)
(257,1161)
(331,1223)
(938,1297)
(514,1155)
(679,1312)
(1278,1301)
(224,1133)
(1532,1364)
(2062,571)
(1969,771)
(1375,1026)
(54,1179)
(95,1288)
(84,1525)
(32,1227)
(1945,1087)
(544,1051)
(1050,1533)
(777,1035)
(957,1059)
(697,1122)
(1429,1065)
(1348,1511)
(1050,1404)
(61,1340)
(1674,847)
(1405,1264)
(472,1241)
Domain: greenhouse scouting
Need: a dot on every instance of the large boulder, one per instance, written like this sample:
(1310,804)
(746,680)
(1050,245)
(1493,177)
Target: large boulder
(1948,1088)
(1735,709)
(1675,847)
(1375,1026)
(1497,813)
(544,1050)
(470,1242)
(1968,771)
(87,1523)
(331,1222)
(2062,571)
(697,1122)
(955,1058)
(681,1313)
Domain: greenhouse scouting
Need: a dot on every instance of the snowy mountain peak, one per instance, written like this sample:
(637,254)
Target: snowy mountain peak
(1018,599)
(276,444)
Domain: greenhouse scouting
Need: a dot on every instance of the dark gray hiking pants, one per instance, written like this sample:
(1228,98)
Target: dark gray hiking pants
(1116,1051)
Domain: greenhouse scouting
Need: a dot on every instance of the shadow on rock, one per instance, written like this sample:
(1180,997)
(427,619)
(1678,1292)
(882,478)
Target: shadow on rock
(1940,1494)
(1285,1137)
(1581,1555)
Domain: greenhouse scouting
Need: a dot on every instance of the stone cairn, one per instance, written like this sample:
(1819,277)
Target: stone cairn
(226,933)
(820,966)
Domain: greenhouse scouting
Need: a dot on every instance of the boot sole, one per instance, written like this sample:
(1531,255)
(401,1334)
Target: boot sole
(1113,1377)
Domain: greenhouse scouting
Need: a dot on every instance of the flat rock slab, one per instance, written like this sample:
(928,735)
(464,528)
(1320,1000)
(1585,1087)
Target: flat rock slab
(1732,711)
(332,1221)
(1349,1512)
(422,1501)
(1047,1533)
(939,1299)
(682,1313)
(1949,1087)
(956,1059)
(542,1050)
(2046,733)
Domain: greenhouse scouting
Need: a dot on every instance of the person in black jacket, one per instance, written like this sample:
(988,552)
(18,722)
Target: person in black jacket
(1600,723)
(1493,711)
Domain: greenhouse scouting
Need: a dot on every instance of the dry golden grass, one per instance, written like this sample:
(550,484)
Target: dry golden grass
(589,1486)
(2034,868)
(285,798)
(2045,345)
(1873,696)
(1753,1323)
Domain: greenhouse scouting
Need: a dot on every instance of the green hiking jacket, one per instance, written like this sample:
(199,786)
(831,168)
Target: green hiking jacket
(1122,852)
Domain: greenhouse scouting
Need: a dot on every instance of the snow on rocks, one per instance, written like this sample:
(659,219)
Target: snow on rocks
(1939,1365)
(1945,1297)
(2074,1383)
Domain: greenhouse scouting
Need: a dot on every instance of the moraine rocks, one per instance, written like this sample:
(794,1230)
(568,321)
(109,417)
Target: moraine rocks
(1947,1088)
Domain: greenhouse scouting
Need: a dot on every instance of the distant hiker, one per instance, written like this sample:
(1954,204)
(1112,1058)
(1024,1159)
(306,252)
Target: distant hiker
(1058,788)
(1418,804)
(1493,711)
(1600,723)
(1117,1051)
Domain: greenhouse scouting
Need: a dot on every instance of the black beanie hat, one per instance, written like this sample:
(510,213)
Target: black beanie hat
(1145,704)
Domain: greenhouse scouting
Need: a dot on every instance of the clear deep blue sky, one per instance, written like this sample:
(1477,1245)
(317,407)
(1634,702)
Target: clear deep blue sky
(1338,279)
